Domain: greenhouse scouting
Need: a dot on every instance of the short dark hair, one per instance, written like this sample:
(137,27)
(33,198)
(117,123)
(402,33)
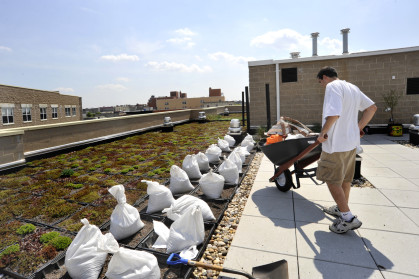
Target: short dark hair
(327,71)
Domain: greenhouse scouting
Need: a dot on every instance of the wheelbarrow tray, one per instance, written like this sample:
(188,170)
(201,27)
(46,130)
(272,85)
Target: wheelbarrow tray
(284,151)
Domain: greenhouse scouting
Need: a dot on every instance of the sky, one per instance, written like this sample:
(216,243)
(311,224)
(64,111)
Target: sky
(117,52)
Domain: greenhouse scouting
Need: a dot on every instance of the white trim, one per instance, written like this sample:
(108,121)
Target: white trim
(26,105)
(7,105)
(54,106)
(43,105)
(329,57)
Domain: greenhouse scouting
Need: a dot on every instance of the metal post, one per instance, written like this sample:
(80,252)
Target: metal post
(246,89)
(243,108)
(268,106)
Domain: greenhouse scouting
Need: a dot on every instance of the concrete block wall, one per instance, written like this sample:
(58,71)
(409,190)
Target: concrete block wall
(11,147)
(19,143)
(303,100)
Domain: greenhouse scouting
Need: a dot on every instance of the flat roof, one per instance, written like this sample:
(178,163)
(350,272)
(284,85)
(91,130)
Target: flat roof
(329,57)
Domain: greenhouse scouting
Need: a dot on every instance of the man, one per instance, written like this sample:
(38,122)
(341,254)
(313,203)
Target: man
(340,135)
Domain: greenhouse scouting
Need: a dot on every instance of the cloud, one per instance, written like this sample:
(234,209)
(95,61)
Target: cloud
(64,89)
(183,38)
(177,67)
(287,39)
(88,10)
(290,40)
(3,48)
(331,46)
(120,57)
(123,79)
(143,48)
(185,32)
(230,58)
(112,87)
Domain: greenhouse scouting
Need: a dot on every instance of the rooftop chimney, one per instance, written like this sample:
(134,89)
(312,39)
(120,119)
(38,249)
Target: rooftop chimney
(314,36)
(345,40)
(295,55)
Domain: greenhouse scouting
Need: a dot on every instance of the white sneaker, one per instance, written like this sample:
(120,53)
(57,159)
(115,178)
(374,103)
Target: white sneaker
(333,210)
(342,226)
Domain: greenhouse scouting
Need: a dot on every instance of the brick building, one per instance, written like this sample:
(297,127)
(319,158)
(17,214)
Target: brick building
(23,107)
(295,92)
(179,100)
(187,103)
(214,92)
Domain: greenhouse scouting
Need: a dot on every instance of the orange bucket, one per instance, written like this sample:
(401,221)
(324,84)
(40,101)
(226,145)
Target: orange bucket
(274,139)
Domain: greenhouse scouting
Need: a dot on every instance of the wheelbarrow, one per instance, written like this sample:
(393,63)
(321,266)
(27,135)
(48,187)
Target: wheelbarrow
(275,270)
(298,152)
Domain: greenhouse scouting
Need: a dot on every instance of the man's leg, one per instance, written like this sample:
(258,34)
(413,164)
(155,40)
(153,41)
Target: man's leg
(338,194)
(346,189)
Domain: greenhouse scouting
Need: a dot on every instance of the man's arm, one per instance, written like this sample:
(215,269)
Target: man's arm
(330,120)
(367,115)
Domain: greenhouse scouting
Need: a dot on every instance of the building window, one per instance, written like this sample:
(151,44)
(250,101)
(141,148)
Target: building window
(54,112)
(412,86)
(43,112)
(7,114)
(67,111)
(27,113)
(289,75)
(166,104)
(184,103)
(73,110)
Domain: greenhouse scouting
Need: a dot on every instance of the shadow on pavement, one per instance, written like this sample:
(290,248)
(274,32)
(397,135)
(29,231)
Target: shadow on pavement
(334,255)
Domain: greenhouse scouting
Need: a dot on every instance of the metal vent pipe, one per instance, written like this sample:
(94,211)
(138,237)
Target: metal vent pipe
(345,40)
(314,37)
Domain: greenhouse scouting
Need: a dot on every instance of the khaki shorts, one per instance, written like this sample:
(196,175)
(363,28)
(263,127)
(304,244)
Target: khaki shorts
(336,168)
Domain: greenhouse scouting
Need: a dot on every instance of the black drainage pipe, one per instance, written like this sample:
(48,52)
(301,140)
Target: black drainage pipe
(243,108)
(246,89)
(268,106)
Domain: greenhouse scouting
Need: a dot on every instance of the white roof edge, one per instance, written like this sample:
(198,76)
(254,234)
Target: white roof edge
(328,57)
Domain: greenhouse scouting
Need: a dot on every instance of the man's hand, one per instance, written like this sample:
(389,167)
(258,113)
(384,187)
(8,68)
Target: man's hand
(322,137)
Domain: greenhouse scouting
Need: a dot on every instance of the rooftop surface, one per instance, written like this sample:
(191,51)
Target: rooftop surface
(291,226)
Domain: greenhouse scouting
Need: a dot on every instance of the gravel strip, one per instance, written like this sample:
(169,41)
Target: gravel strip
(220,242)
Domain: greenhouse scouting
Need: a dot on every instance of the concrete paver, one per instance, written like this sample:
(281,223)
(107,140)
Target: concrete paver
(292,226)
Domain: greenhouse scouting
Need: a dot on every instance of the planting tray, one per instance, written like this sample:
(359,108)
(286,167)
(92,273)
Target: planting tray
(135,239)
(147,243)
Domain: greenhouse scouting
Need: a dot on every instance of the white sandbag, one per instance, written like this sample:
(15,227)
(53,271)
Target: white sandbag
(291,136)
(190,165)
(223,145)
(229,171)
(242,151)
(159,197)
(186,231)
(212,185)
(163,232)
(125,219)
(82,259)
(231,141)
(249,138)
(179,181)
(235,158)
(213,153)
(248,144)
(182,204)
(128,263)
(203,162)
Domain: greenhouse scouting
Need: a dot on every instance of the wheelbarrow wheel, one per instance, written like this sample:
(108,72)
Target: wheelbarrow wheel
(284,181)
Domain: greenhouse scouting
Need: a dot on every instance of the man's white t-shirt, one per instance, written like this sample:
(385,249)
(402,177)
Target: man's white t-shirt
(345,100)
